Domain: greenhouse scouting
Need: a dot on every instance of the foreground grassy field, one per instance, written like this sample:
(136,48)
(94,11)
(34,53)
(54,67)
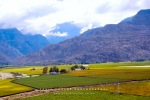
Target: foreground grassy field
(54,81)
(130,74)
(139,88)
(7,88)
(85,95)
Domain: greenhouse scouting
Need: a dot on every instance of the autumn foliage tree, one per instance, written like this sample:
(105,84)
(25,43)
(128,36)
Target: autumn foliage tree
(45,69)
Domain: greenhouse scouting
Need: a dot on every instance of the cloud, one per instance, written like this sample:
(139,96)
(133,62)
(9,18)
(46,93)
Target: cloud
(58,34)
(41,16)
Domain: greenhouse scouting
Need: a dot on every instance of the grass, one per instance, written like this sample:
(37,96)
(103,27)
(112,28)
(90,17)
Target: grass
(139,88)
(129,74)
(55,81)
(85,95)
(7,88)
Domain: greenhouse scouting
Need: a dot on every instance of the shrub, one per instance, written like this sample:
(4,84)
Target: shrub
(76,66)
(63,71)
(82,67)
(72,68)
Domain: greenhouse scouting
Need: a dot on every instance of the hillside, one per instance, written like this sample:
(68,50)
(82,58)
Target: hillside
(112,43)
(4,61)
(38,39)
(89,32)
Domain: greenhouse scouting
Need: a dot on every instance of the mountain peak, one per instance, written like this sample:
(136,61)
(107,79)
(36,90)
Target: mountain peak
(142,18)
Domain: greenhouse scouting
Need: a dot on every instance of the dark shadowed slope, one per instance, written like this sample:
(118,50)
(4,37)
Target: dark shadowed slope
(15,38)
(9,52)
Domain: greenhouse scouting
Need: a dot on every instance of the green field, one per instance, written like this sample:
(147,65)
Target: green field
(85,95)
(139,88)
(7,88)
(54,81)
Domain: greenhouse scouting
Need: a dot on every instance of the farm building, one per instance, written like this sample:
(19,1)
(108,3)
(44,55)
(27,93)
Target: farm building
(53,73)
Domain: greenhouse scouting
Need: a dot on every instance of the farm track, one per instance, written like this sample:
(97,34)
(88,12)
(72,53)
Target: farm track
(37,92)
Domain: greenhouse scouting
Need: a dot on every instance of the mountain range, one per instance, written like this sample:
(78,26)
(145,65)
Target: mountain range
(112,43)
(14,44)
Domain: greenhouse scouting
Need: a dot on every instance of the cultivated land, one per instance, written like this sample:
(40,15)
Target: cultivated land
(98,73)
(55,81)
(137,88)
(129,74)
(85,95)
(7,88)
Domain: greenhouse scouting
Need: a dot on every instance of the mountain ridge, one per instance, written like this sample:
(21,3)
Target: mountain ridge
(112,43)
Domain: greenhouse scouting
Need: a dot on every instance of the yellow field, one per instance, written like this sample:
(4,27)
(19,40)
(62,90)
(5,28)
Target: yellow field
(7,88)
(131,74)
(34,72)
(139,88)
(24,70)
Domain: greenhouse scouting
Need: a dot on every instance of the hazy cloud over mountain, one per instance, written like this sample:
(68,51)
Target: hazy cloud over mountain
(41,16)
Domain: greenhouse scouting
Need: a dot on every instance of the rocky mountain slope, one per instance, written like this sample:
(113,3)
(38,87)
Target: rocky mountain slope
(112,43)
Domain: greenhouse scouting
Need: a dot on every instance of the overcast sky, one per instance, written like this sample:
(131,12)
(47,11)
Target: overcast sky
(41,16)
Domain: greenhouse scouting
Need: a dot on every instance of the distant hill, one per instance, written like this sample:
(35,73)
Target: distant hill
(89,32)
(9,52)
(69,28)
(16,39)
(38,39)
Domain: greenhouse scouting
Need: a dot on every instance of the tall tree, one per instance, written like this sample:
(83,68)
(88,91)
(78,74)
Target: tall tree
(45,70)
(51,69)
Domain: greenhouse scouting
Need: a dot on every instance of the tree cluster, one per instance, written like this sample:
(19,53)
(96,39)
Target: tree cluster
(54,69)
(76,66)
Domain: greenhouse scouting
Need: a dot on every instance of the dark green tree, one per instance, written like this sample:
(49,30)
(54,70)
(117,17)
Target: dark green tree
(82,67)
(63,71)
(72,68)
(51,69)
(76,66)
(57,70)
(54,69)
